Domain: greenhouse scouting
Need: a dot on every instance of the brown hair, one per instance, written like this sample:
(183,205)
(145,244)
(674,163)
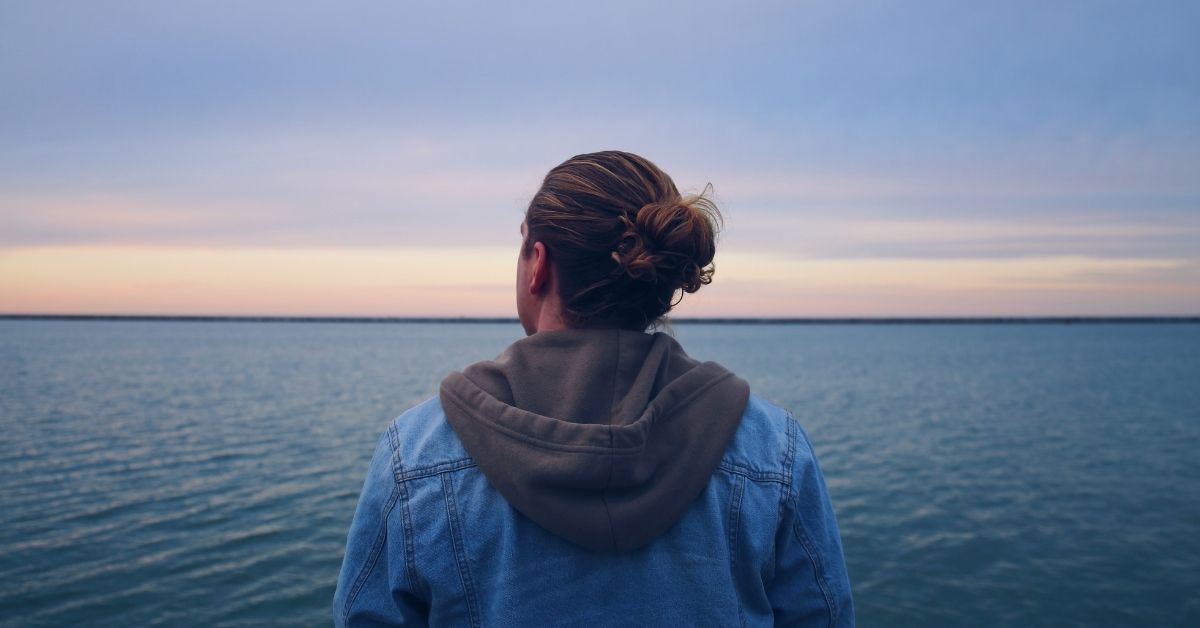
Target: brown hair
(622,239)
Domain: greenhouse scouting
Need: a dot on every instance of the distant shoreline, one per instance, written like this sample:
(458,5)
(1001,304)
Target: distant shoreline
(883,320)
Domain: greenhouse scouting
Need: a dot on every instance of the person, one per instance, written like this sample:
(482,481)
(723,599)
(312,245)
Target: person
(595,474)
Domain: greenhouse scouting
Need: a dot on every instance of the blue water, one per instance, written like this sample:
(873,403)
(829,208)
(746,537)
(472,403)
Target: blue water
(205,473)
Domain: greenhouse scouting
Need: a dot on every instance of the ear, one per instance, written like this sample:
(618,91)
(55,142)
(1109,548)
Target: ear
(540,269)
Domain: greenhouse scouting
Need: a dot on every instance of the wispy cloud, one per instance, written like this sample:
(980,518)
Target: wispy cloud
(458,281)
(941,139)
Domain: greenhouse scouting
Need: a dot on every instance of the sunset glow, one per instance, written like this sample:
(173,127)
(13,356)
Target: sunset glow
(479,282)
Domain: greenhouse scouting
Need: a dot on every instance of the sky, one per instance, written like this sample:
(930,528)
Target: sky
(376,158)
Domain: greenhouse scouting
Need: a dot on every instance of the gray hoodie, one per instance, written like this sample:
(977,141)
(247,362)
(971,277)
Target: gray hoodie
(602,436)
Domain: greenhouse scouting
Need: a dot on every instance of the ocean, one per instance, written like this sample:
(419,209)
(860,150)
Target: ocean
(205,473)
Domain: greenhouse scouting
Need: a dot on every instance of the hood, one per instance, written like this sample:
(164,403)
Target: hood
(602,436)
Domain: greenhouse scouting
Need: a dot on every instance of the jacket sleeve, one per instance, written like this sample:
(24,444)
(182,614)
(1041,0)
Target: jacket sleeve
(810,586)
(374,588)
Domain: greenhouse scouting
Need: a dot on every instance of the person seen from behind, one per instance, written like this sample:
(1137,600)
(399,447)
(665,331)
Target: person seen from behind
(594,474)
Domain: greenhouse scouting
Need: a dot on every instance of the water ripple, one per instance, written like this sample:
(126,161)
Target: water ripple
(206,473)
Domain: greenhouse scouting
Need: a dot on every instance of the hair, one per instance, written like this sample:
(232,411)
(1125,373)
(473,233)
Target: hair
(622,239)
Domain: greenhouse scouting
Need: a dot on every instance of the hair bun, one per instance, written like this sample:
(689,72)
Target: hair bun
(670,243)
(624,242)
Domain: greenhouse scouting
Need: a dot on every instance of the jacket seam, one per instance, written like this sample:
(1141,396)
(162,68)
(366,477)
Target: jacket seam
(460,552)
(789,454)
(797,529)
(405,511)
(818,569)
(404,475)
(735,512)
(749,474)
(373,556)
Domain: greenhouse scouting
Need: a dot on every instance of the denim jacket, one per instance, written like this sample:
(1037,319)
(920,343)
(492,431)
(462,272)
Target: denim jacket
(432,543)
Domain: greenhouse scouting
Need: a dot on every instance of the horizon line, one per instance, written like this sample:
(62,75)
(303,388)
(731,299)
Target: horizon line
(689,320)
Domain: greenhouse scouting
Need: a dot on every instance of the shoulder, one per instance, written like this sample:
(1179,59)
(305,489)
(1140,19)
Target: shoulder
(769,442)
(810,583)
(421,440)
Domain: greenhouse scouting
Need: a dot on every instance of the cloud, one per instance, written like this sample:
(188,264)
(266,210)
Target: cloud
(942,132)
(442,211)
(834,234)
(759,285)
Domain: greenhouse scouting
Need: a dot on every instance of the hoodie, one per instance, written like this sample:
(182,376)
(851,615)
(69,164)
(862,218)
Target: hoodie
(602,436)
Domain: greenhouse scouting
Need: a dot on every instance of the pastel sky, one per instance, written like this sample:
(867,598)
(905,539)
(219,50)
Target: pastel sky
(375,158)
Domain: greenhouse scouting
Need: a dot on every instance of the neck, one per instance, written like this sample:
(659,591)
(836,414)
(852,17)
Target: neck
(550,320)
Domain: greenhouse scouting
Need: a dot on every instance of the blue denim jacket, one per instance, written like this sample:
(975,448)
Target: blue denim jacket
(433,544)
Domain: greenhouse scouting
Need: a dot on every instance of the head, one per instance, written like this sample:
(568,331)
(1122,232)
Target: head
(608,241)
